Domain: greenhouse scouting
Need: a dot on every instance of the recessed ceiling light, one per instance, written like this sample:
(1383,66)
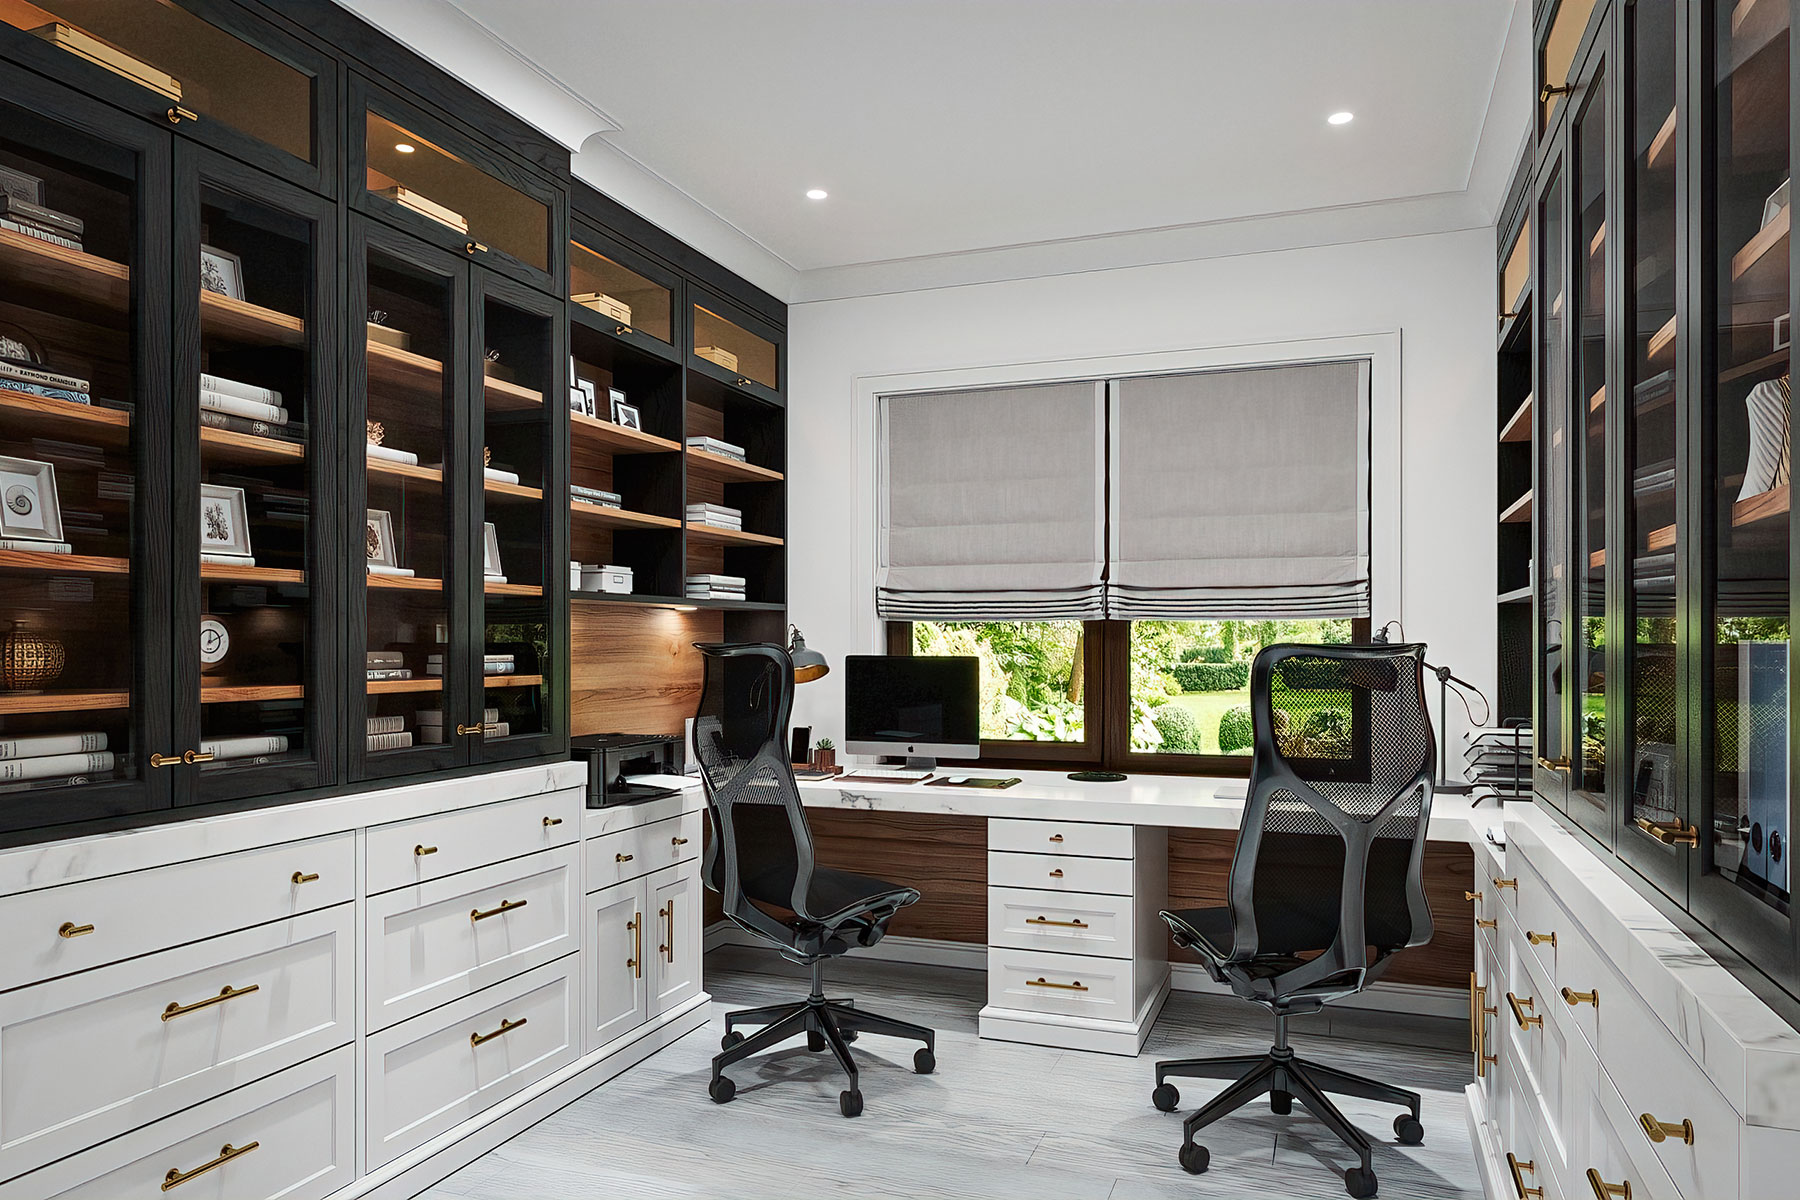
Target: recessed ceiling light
(817,194)
(1341,118)
(406,147)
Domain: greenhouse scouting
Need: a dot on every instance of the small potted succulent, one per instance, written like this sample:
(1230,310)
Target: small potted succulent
(824,755)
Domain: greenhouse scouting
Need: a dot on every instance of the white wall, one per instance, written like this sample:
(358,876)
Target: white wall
(1435,291)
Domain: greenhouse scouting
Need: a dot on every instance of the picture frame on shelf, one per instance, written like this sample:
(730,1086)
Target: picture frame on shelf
(490,551)
(29,508)
(20,186)
(584,399)
(18,345)
(224,521)
(626,415)
(221,272)
(382,551)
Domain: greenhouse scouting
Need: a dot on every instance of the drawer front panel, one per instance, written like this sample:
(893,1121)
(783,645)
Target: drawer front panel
(1078,923)
(301,1123)
(70,928)
(1060,837)
(1600,1147)
(1060,873)
(1542,922)
(1072,984)
(87,1057)
(437,941)
(1537,1034)
(615,857)
(430,1073)
(409,852)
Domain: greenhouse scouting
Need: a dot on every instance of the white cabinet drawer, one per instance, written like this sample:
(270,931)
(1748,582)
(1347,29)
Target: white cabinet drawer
(414,851)
(1060,872)
(1537,1034)
(433,942)
(294,1134)
(1060,837)
(70,928)
(615,857)
(92,1055)
(1600,1160)
(1071,984)
(1542,922)
(1076,922)
(428,1074)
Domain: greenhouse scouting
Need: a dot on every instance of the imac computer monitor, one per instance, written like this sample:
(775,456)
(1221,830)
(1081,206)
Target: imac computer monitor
(922,708)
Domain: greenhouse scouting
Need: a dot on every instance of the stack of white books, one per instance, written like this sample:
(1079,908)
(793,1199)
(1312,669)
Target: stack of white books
(387,664)
(431,725)
(242,407)
(34,380)
(491,664)
(596,496)
(719,516)
(257,746)
(715,587)
(714,446)
(53,760)
(389,454)
(389,733)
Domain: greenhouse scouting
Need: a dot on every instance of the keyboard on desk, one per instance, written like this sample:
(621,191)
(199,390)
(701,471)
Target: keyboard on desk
(889,776)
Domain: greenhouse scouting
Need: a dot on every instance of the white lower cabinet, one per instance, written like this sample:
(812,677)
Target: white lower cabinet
(644,948)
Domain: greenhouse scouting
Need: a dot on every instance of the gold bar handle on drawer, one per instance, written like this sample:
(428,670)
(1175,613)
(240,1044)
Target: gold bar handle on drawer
(165,760)
(552,822)
(177,1009)
(472,247)
(190,757)
(506,906)
(1518,1009)
(1058,924)
(1040,981)
(1472,897)
(1483,1060)
(622,330)
(1606,1191)
(1662,1131)
(1572,997)
(301,877)
(176,1176)
(177,114)
(1519,1171)
(1672,834)
(506,1026)
(422,851)
(1056,837)
(1480,924)
(1503,884)
(667,949)
(1541,939)
(1056,874)
(69,929)
(635,964)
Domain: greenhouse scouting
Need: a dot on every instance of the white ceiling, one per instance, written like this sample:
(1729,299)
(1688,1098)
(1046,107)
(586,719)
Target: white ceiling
(946,126)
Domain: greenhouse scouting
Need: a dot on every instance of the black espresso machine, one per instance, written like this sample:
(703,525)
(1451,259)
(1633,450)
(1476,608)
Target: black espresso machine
(614,758)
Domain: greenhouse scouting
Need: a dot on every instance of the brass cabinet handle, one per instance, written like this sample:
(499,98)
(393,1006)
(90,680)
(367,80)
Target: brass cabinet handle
(1056,837)
(1551,89)
(1661,1131)
(1040,981)
(176,1176)
(1472,897)
(176,116)
(1503,884)
(1507,316)
(1672,834)
(303,877)
(506,1026)
(1056,874)
(165,760)
(422,851)
(472,247)
(636,962)
(1555,764)
(1572,998)
(742,381)
(177,1009)
(622,330)
(552,822)
(623,857)
(1494,924)
(668,948)
(190,757)
(506,906)
(1483,1060)
(1541,939)
(1518,1008)
(467,730)
(1604,1190)
(1058,924)
(1519,1171)
(69,929)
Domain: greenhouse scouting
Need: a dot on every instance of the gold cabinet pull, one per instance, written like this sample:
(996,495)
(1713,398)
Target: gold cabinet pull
(301,877)
(1059,924)
(1518,1008)
(622,330)
(506,1026)
(1672,834)
(176,116)
(1480,924)
(1554,89)
(190,757)
(1503,884)
(743,381)
(1572,998)
(1483,1060)
(468,730)
(1519,1171)
(1056,874)
(667,949)
(176,1176)
(165,760)
(1662,1131)
(678,841)
(1040,981)
(1472,897)
(506,906)
(636,962)
(623,857)
(1555,764)
(422,851)
(1056,837)
(472,247)
(552,822)
(69,929)
(1541,939)
(1604,1190)
(177,1009)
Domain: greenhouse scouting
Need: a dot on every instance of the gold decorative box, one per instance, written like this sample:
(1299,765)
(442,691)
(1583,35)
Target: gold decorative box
(718,354)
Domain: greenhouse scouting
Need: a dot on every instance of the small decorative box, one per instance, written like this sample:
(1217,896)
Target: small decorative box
(718,354)
(608,578)
(604,304)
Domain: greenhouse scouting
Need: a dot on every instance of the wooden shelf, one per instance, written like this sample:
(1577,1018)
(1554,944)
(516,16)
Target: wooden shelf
(1760,268)
(227,694)
(681,602)
(619,518)
(1518,426)
(25,415)
(1516,596)
(399,472)
(1597,401)
(383,687)
(1756,366)
(246,449)
(62,564)
(617,439)
(1598,242)
(1662,147)
(13,703)
(511,491)
(221,316)
(404,583)
(512,681)
(712,533)
(510,397)
(227,573)
(1760,507)
(511,589)
(1662,340)
(706,465)
(1518,512)
(96,285)
(394,367)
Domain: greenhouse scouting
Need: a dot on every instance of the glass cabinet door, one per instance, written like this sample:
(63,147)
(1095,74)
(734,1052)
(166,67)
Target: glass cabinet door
(1741,863)
(255,426)
(732,348)
(616,291)
(83,463)
(1558,42)
(1555,645)
(406,389)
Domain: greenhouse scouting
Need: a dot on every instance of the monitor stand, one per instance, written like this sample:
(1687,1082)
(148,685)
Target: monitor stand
(920,763)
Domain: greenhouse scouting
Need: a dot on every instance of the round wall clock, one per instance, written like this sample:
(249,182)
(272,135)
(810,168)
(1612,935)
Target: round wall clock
(215,643)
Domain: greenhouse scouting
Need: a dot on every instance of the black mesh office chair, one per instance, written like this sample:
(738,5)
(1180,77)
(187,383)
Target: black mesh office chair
(761,854)
(1326,883)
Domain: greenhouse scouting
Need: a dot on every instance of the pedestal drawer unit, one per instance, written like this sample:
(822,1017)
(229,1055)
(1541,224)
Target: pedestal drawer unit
(426,848)
(629,853)
(89,1056)
(291,1136)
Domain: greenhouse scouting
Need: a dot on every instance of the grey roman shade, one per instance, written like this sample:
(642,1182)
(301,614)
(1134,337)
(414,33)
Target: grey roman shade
(993,504)
(1241,494)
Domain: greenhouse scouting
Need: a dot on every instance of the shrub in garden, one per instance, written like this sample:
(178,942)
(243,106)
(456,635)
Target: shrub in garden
(1235,731)
(1179,728)
(1212,677)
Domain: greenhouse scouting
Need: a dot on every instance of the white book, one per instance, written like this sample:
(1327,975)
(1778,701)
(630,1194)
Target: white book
(42,235)
(435,716)
(496,729)
(392,724)
(401,572)
(494,578)
(390,741)
(724,580)
(51,379)
(493,658)
(50,766)
(228,560)
(497,476)
(390,454)
(244,747)
(256,410)
(50,744)
(38,547)
(243,391)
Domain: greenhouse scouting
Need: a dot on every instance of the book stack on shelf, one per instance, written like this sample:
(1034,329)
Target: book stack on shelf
(41,222)
(491,664)
(376,434)
(244,408)
(431,725)
(257,747)
(389,733)
(719,516)
(34,380)
(384,665)
(715,587)
(52,760)
(413,202)
(598,497)
(723,449)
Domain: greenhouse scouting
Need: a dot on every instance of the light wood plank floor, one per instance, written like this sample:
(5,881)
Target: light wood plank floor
(996,1120)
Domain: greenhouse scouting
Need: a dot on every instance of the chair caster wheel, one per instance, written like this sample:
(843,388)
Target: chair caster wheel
(1194,1158)
(1281,1103)
(731,1039)
(850,1104)
(722,1090)
(849,1035)
(1165,1097)
(1408,1129)
(924,1061)
(815,1041)
(1359,1182)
